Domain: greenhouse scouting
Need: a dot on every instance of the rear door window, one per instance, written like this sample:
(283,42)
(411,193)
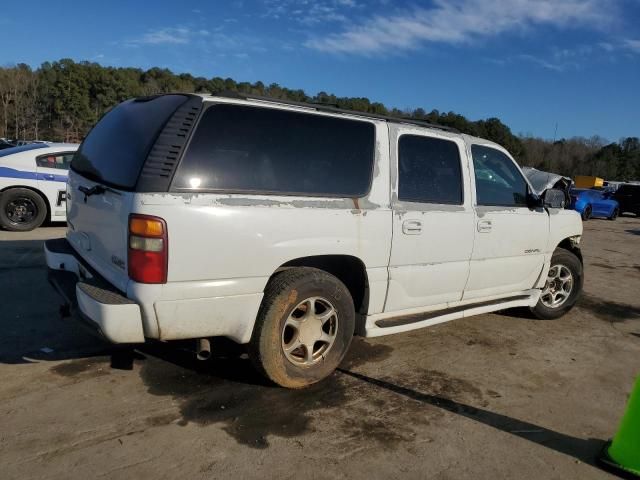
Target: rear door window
(429,170)
(263,150)
(498,180)
(60,161)
(115,149)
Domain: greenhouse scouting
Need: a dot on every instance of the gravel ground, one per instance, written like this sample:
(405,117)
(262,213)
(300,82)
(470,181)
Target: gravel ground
(498,395)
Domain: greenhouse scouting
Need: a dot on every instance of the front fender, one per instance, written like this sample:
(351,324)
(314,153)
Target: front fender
(563,225)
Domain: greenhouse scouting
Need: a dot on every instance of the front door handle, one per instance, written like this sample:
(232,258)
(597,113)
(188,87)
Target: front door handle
(484,226)
(412,227)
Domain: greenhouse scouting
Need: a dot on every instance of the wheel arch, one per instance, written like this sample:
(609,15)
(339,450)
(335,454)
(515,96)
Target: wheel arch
(349,269)
(569,244)
(36,191)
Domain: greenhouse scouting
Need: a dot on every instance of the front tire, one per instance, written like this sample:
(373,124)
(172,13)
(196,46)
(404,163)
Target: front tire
(563,286)
(304,327)
(21,210)
(614,215)
(586,214)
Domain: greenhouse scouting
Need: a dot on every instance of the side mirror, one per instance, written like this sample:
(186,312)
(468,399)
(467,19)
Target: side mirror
(534,200)
(554,198)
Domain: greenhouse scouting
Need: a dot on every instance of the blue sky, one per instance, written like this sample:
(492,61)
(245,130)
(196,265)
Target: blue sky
(531,63)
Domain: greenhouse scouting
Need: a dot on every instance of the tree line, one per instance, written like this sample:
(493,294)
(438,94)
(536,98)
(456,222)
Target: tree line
(62,100)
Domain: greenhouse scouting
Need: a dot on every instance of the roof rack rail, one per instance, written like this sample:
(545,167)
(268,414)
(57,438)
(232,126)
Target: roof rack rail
(330,108)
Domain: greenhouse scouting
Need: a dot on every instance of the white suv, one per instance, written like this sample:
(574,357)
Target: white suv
(290,227)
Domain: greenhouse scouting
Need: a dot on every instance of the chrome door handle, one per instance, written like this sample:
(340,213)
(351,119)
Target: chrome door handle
(412,227)
(484,226)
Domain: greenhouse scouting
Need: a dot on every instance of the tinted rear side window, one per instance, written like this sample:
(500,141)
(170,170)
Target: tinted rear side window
(250,149)
(429,170)
(116,148)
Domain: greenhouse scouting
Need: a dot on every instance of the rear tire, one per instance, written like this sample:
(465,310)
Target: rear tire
(21,210)
(614,215)
(565,267)
(304,327)
(586,213)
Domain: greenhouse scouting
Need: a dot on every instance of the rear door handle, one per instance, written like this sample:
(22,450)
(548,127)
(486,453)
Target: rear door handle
(484,226)
(412,227)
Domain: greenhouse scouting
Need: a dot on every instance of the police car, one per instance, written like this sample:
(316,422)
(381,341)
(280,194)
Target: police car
(33,184)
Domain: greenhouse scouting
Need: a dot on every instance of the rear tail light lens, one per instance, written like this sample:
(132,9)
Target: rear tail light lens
(148,249)
(146,226)
(146,244)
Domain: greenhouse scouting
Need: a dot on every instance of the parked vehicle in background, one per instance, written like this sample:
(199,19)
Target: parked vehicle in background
(289,227)
(4,144)
(20,143)
(33,184)
(628,196)
(582,181)
(594,203)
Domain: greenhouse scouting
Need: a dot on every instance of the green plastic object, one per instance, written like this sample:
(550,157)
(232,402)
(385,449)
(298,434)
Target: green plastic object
(623,451)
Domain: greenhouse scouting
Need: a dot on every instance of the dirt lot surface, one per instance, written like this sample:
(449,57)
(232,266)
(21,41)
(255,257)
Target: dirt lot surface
(494,396)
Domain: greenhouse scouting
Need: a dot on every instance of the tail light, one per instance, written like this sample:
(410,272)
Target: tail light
(148,252)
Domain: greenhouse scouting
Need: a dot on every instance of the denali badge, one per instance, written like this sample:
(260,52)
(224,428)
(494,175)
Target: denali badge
(532,250)
(117,261)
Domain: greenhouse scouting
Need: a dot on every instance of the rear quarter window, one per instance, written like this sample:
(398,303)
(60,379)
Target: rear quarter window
(239,148)
(115,149)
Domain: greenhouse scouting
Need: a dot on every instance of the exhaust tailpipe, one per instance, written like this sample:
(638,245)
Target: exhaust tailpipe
(203,349)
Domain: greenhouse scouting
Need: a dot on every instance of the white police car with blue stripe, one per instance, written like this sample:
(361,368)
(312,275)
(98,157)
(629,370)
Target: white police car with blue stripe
(33,184)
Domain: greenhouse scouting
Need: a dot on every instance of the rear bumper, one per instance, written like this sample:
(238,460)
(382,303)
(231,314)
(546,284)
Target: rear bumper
(87,294)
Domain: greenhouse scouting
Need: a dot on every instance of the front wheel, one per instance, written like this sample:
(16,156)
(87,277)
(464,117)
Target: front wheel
(562,288)
(304,327)
(586,214)
(614,215)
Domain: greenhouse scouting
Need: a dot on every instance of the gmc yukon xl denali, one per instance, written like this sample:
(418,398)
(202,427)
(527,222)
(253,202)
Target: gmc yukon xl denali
(291,227)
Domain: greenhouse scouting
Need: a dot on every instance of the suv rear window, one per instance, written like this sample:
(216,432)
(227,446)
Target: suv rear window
(115,149)
(250,149)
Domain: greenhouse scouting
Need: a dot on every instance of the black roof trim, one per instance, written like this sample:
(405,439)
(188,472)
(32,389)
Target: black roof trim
(323,107)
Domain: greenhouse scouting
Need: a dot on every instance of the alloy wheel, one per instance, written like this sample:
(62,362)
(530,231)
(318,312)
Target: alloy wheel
(310,331)
(558,287)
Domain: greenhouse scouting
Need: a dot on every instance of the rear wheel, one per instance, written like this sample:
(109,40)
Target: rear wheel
(304,327)
(586,213)
(562,288)
(614,215)
(21,210)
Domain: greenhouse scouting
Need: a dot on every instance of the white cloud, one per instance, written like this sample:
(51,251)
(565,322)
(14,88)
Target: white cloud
(168,36)
(460,21)
(542,62)
(562,59)
(311,12)
(632,44)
